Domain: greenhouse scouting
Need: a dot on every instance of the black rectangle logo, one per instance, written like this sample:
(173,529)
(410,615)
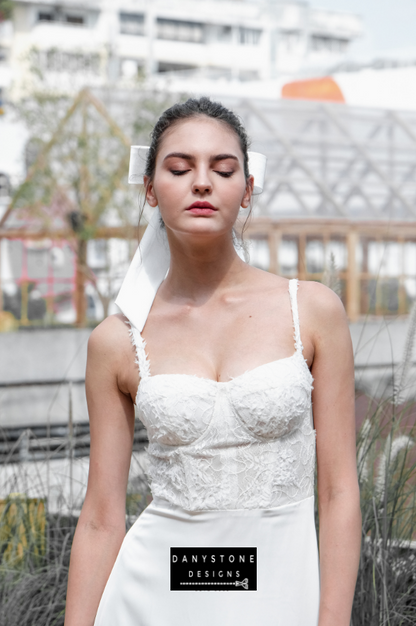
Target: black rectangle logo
(213,569)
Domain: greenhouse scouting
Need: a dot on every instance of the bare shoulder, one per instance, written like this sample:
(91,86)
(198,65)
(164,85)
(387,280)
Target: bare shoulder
(324,318)
(321,304)
(110,339)
(267,281)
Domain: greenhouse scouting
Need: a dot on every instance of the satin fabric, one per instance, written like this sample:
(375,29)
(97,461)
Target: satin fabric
(138,590)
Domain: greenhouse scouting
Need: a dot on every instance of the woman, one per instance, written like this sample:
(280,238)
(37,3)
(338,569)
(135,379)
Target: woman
(224,388)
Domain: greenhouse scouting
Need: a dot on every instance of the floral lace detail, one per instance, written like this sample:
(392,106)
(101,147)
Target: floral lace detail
(139,346)
(245,443)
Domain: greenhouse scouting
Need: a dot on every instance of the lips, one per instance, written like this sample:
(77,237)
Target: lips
(201,205)
(202,209)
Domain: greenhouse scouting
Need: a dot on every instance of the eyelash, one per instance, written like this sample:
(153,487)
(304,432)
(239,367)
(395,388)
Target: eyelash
(181,172)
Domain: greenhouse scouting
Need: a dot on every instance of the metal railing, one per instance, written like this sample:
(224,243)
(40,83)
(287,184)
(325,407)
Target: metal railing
(50,441)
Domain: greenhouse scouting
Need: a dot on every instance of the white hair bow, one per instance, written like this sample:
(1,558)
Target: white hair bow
(151,261)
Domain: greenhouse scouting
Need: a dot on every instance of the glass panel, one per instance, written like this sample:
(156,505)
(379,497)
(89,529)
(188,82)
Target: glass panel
(389,295)
(375,257)
(132,23)
(63,262)
(410,287)
(392,259)
(343,291)
(384,258)
(368,296)
(97,254)
(409,261)
(314,256)
(288,257)
(259,253)
(339,251)
(249,36)
(37,263)
(178,30)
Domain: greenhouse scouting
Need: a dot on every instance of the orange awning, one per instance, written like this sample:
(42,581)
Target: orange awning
(324,89)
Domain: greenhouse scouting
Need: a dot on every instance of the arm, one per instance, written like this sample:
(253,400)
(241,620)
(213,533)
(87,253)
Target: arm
(101,526)
(334,417)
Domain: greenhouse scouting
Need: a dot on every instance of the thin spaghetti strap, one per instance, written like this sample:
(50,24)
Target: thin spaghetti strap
(139,345)
(293,288)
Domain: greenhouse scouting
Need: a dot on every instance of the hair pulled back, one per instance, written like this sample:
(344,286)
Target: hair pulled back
(195,108)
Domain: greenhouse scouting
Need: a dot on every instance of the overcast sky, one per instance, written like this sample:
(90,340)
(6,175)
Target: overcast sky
(390,25)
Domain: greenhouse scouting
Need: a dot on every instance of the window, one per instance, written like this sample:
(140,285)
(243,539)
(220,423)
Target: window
(74,19)
(328,44)
(315,256)
(248,75)
(259,253)
(97,254)
(4,185)
(59,16)
(72,62)
(288,256)
(132,24)
(223,33)
(176,30)
(249,36)
(290,38)
(174,67)
(44,16)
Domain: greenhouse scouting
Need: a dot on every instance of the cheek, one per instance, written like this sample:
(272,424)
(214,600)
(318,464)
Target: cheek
(234,193)
(169,189)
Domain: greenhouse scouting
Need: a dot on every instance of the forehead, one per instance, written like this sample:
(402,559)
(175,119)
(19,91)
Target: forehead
(200,134)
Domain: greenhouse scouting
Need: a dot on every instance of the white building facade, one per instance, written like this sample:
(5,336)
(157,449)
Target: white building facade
(109,41)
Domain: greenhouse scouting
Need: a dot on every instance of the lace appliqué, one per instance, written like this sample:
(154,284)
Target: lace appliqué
(246,443)
(140,350)
(206,453)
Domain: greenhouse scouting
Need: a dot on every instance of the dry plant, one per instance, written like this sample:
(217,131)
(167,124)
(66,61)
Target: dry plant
(330,277)
(386,460)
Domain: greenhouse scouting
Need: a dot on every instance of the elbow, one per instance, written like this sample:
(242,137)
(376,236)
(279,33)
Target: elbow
(344,496)
(102,521)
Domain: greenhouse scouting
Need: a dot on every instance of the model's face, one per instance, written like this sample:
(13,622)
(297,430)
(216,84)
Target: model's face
(199,182)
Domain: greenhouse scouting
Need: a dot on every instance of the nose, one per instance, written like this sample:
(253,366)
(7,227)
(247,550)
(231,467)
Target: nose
(202,183)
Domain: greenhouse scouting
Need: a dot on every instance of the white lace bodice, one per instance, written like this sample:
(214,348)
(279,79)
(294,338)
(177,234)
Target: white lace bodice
(245,443)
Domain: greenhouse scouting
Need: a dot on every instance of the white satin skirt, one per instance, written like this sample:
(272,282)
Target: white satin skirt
(138,591)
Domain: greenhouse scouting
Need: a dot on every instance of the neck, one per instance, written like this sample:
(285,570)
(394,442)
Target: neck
(197,268)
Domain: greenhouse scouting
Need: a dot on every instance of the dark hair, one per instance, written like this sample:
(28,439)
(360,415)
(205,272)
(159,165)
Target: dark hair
(195,108)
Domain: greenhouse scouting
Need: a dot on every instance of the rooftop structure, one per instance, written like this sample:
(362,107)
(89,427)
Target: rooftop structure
(97,42)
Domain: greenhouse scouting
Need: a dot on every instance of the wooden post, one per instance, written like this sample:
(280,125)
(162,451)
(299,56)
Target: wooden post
(1,286)
(302,256)
(353,291)
(80,300)
(401,286)
(274,237)
(24,290)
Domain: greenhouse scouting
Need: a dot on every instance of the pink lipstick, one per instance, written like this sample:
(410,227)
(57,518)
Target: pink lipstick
(201,208)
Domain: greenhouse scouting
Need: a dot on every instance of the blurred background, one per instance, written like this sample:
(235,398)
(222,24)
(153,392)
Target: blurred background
(326,89)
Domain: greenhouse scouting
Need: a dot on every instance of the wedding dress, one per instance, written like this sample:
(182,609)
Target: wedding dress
(231,468)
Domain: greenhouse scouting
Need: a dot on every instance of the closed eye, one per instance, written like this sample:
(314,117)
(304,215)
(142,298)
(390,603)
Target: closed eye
(179,172)
(224,174)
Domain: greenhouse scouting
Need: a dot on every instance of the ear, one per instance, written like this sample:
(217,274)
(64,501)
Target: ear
(150,192)
(248,192)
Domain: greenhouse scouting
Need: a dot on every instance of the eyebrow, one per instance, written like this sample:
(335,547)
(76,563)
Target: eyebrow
(189,157)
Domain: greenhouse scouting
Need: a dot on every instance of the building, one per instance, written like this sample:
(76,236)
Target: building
(340,178)
(99,42)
